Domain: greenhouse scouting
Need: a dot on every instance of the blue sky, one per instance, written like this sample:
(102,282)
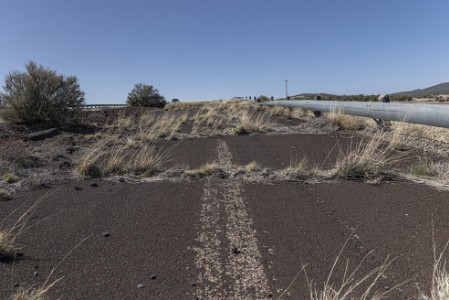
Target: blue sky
(209,49)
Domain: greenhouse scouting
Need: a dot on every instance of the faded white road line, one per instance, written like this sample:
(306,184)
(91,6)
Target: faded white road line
(228,256)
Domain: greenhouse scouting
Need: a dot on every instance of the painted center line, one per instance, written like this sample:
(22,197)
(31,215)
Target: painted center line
(228,256)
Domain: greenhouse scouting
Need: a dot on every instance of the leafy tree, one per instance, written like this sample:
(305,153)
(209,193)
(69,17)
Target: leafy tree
(41,97)
(145,95)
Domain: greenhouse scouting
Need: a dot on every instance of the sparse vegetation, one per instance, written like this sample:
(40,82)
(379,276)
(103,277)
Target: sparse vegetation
(350,285)
(122,155)
(299,170)
(253,167)
(4,194)
(365,159)
(10,178)
(239,130)
(41,97)
(347,122)
(438,170)
(10,234)
(207,169)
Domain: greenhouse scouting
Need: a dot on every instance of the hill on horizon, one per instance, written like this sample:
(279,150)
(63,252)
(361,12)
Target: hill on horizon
(442,88)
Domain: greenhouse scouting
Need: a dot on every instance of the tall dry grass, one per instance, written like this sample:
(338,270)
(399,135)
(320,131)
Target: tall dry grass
(348,122)
(151,126)
(9,234)
(352,285)
(122,155)
(364,159)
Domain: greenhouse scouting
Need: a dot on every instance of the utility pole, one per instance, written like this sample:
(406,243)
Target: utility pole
(286,89)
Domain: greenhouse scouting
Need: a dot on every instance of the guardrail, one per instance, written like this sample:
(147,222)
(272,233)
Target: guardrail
(90,106)
(424,114)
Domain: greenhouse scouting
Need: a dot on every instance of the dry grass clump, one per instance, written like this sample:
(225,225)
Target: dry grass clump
(31,293)
(151,125)
(39,293)
(281,111)
(5,195)
(208,169)
(299,170)
(253,167)
(166,125)
(116,155)
(9,177)
(253,122)
(9,234)
(440,276)
(404,136)
(347,122)
(421,131)
(350,285)
(235,116)
(365,159)
(438,170)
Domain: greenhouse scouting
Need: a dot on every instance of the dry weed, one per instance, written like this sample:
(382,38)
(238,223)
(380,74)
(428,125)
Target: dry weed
(207,169)
(364,160)
(298,170)
(347,122)
(253,122)
(440,276)
(408,131)
(122,155)
(31,293)
(39,293)
(5,194)
(351,287)
(10,234)
(252,167)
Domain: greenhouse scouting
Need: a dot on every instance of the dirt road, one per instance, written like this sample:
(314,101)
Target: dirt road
(223,239)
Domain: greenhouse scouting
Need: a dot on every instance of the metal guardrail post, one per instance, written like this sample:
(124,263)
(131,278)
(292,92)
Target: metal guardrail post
(424,114)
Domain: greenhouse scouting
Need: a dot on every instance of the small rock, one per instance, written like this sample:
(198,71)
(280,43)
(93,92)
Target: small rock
(236,250)
(94,184)
(153,277)
(106,234)
(140,286)
(35,274)
(386,287)
(193,283)
(78,188)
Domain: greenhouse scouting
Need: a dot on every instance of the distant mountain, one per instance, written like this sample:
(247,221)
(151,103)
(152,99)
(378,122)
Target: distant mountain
(442,88)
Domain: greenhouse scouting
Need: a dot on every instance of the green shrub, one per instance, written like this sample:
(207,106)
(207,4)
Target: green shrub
(263,98)
(420,169)
(239,130)
(39,96)
(145,95)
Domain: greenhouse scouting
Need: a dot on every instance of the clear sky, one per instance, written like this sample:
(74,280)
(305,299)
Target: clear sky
(210,49)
